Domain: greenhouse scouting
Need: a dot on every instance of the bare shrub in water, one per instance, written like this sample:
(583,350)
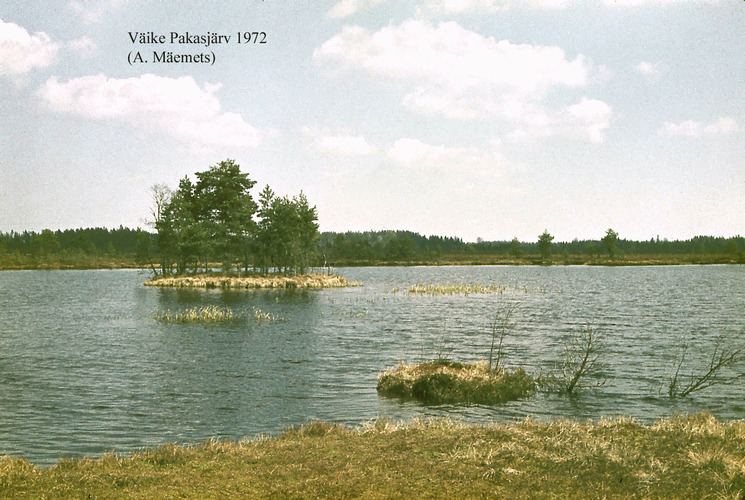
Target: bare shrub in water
(725,366)
(582,361)
(502,324)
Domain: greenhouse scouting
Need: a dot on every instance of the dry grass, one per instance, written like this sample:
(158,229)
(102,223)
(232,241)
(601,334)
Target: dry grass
(442,381)
(211,315)
(684,457)
(252,282)
(204,314)
(468,289)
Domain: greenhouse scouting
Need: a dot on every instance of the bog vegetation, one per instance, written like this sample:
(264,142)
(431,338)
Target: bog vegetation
(682,457)
(442,382)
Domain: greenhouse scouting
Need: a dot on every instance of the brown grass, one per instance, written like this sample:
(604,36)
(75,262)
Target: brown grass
(684,457)
(442,381)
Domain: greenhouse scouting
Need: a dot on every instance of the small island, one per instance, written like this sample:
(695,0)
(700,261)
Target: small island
(252,282)
(448,382)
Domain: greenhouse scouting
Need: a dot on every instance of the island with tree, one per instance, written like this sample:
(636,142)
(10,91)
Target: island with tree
(216,221)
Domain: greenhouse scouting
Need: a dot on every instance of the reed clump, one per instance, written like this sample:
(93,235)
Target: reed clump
(260,316)
(455,289)
(470,288)
(199,314)
(449,382)
(212,315)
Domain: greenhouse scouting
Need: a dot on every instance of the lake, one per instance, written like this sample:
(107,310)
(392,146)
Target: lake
(85,369)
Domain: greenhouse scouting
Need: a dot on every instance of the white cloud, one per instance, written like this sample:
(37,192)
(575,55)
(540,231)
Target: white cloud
(324,142)
(417,52)
(460,6)
(724,125)
(640,3)
(20,52)
(652,71)
(587,120)
(94,11)
(174,106)
(691,128)
(415,153)
(460,74)
(84,46)
(346,8)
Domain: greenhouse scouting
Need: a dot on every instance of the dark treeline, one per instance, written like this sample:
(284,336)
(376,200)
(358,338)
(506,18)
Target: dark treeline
(76,248)
(350,248)
(403,246)
(269,245)
(354,248)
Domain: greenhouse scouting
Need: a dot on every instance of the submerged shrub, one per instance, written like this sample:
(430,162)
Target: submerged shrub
(439,382)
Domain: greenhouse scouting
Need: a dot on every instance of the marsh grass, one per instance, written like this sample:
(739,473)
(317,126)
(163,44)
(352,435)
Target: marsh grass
(199,314)
(260,316)
(211,315)
(455,289)
(443,382)
(683,457)
(469,289)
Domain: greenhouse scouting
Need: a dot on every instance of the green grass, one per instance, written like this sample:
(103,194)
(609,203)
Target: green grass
(684,457)
(438,382)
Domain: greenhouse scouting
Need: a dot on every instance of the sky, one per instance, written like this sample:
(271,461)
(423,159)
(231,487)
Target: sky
(488,119)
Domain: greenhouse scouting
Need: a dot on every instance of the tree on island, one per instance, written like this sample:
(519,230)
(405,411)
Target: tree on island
(287,232)
(212,220)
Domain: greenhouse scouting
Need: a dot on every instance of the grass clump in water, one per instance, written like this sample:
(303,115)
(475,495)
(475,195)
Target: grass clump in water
(203,314)
(443,382)
(455,289)
(260,316)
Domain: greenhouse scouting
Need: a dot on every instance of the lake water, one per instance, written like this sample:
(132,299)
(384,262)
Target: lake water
(85,369)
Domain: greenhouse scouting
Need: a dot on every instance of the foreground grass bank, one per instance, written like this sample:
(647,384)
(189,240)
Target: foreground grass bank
(684,457)
(252,282)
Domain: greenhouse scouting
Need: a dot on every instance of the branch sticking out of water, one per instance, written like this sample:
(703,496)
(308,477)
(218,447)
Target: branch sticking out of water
(727,354)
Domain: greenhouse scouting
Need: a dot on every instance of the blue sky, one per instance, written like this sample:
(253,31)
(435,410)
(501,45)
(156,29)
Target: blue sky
(485,119)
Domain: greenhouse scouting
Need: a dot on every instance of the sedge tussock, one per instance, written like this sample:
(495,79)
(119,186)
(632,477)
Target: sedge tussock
(439,382)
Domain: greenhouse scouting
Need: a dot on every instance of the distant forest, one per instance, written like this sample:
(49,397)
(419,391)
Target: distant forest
(124,247)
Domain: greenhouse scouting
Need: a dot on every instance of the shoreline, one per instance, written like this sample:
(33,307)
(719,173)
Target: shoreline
(454,262)
(686,456)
